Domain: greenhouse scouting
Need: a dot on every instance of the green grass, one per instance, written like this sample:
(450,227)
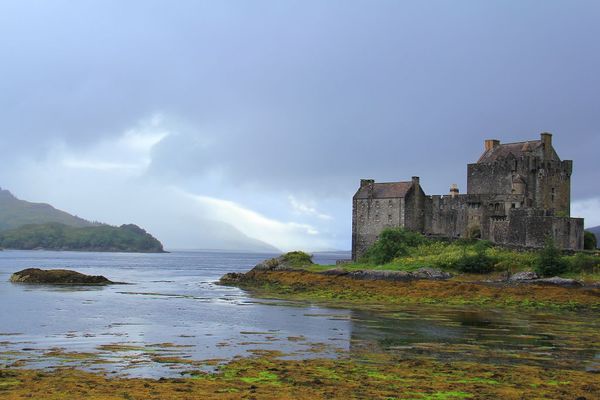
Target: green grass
(445,255)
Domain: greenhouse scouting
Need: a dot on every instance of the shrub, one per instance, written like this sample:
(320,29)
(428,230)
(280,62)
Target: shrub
(297,258)
(392,243)
(589,241)
(549,261)
(583,263)
(478,263)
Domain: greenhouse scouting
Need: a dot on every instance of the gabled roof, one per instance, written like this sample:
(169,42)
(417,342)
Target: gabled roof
(503,150)
(387,190)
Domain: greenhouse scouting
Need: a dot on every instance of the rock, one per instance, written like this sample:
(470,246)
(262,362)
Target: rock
(57,277)
(558,281)
(334,272)
(422,273)
(232,278)
(381,275)
(287,262)
(431,273)
(523,276)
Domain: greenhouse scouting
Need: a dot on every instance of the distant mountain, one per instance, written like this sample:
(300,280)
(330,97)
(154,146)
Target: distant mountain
(27,226)
(595,230)
(57,236)
(199,233)
(15,213)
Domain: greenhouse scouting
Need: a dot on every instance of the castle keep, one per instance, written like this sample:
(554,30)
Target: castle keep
(517,195)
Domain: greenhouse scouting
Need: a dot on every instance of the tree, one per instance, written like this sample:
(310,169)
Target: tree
(478,263)
(550,262)
(589,241)
(392,243)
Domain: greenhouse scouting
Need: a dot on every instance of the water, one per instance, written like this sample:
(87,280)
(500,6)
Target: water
(172,307)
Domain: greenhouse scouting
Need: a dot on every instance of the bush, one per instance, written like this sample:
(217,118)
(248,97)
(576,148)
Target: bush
(392,243)
(549,261)
(478,263)
(589,241)
(583,263)
(298,258)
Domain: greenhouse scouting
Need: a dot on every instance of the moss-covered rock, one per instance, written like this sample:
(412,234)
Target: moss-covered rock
(57,277)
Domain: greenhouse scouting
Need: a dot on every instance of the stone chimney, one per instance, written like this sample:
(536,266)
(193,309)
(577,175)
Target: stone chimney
(547,144)
(491,143)
(454,190)
(366,182)
(415,180)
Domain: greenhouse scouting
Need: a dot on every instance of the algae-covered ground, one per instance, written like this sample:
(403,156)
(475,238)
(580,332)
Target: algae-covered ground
(457,291)
(267,376)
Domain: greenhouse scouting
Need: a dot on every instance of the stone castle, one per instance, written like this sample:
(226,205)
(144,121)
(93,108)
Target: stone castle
(517,195)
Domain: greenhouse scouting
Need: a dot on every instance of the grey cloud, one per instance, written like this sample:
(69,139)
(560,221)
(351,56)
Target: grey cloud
(304,96)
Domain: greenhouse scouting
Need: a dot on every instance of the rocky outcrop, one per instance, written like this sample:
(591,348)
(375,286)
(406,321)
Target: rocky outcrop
(422,273)
(287,262)
(529,277)
(57,277)
(558,281)
(523,276)
(296,261)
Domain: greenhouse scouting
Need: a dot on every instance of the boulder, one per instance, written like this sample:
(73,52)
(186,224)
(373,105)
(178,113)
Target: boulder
(57,277)
(431,273)
(558,281)
(422,273)
(523,276)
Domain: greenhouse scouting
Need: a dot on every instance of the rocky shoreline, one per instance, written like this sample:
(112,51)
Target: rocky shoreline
(281,278)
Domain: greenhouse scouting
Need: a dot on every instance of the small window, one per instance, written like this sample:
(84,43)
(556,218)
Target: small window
(513,205)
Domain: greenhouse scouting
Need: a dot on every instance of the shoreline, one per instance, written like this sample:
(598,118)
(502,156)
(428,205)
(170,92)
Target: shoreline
(459,290)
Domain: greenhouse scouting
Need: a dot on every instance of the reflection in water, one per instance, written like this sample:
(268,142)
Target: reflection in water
(567,340)
(173,308)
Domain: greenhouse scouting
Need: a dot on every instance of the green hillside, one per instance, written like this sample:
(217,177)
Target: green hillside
(15,213)
(57,236)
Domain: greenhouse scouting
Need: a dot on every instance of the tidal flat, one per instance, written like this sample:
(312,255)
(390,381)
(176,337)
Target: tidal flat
(175,334)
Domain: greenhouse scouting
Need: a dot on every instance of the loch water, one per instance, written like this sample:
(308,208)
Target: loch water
(172,305)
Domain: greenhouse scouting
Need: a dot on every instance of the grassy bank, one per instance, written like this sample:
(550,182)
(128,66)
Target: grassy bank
(266,376)
(584,266)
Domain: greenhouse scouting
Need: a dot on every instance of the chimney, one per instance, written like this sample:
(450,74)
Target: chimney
(491,143)
(547,143)
(415,180)
(454,190)
(366,182)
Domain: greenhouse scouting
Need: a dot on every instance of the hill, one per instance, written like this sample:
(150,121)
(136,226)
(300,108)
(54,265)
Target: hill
(57,236)
(15,213)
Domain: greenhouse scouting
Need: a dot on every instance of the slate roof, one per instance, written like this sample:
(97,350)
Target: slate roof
(387,190)
(517,149)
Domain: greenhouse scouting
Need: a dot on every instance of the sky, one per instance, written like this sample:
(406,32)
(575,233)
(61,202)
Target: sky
(247,124)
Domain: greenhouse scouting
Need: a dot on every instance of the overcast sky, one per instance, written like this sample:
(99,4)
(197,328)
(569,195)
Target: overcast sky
(207,122)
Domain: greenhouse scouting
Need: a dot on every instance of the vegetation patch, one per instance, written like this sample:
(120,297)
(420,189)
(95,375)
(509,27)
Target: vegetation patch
(269,377)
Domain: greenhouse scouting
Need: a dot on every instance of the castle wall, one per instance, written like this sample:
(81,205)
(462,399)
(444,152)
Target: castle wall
(530,227)
(517,194)
(548,183)
(370,217)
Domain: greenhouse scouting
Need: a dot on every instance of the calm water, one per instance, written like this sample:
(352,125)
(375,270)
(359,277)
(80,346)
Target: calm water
(172,298)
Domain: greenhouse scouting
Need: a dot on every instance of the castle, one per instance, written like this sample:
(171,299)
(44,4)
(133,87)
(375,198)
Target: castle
(517,195)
